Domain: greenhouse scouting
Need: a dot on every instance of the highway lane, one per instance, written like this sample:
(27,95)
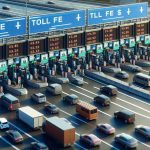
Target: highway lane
(82,125)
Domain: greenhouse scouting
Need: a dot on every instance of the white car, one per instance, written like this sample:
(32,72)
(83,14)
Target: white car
(4,123)
(39,97)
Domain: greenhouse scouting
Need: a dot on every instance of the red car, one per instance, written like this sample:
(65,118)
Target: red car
(106,128)
(14,136)
(90,139)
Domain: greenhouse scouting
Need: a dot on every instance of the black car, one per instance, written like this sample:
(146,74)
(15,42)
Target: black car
(52,109)
(109,89)
(71,99)
(38,146)
(122,75)
(14,136)
(125,115)
(6,7)
(102,100)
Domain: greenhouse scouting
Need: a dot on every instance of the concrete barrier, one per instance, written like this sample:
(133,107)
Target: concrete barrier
(16,90)
(37,84)
(119,84)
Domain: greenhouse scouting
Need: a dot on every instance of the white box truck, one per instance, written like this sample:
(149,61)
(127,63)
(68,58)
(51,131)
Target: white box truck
(30,116)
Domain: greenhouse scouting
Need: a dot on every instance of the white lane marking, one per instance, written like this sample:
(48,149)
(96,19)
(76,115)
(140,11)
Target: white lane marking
(86,82)
(119,91)
(86,123)
(144,144)
(74,122)
(9,143)
(23,132)
(103,142)
(114,103)
(129,103)
(70,115)
(145,71)
(80,146)
(92,99)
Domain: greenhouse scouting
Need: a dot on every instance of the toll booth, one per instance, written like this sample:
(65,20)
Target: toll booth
(3,70)
(111,52)
(76,58)
(128,50)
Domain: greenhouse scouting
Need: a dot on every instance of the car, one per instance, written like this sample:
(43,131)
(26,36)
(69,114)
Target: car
(125,115)
(64,119)
(90,139)
(52,109)
(144,130)
(122,75)
(102,100)
(106,128)
(6,7)
(4,123)
(38,146)
(76,80)
(50,2)
(126,140)
(109,89)
(14,136)
(71,99)
(39,97)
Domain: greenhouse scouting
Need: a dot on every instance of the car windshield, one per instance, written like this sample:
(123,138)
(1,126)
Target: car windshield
(108,126)
(129,138)
(52,106)
(16,134)
(147,129)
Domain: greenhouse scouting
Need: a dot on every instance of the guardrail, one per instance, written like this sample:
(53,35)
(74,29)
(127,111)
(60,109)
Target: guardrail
(119,84)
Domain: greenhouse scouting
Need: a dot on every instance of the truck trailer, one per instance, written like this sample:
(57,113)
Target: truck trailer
(30,116)
(59,130)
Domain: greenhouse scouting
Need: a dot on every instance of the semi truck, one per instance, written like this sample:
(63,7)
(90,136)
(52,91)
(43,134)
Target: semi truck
(30,116)
(59,130)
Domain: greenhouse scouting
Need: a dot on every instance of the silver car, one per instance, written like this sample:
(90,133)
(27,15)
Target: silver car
(126,140)
(39,97)
(144,130)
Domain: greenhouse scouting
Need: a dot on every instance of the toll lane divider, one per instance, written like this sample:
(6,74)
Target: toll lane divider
(119,84)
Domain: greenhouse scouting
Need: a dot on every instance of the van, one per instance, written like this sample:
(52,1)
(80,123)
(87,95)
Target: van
(39,97)
(102,100)
(125,115)
(55,89)
(87,110)
(10,102)
(109,89)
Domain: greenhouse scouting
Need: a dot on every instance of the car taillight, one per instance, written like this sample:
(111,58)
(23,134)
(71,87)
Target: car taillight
(130,120)
(10,107)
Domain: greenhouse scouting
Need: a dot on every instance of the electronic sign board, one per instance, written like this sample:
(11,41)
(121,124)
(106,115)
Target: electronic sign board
(110,34)
(1,51)
(126,31)
(36,46)
(75,39)
(92,37)
(15,49)
(141,28)
(56,43)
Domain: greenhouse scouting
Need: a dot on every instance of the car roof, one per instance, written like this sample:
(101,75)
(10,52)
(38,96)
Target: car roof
(10,96)
(126,136)
(39,94)
(73,96)
(3,120)
(103,96)
(92,136)
(126,112)
(111,86)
